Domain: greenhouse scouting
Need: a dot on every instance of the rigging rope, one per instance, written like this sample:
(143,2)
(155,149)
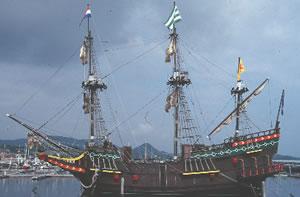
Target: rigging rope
(221,83)
(61,111)
(195,114)
(113,70)
(47,80)
(136,112)
(212,122)
(75,128)
(199,106)
(207,60)
(249,120)
(118,67)
(129,124)
(113,115)
(114,118)
(53,144)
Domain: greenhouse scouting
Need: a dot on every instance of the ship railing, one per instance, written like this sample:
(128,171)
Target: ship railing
(228,142)
(252,135)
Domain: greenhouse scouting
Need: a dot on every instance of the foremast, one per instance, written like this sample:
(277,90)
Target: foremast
(92,85)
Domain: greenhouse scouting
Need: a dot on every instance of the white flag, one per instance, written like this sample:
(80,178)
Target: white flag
(174,18)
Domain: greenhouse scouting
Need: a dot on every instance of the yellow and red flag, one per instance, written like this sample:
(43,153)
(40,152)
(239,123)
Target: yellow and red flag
(241,69)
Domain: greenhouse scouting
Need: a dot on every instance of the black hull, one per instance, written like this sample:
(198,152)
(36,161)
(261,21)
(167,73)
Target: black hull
(254,188)
(229,181)
(235,168)
(214,190)
(216,186)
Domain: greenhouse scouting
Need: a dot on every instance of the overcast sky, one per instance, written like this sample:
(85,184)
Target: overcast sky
(39,37)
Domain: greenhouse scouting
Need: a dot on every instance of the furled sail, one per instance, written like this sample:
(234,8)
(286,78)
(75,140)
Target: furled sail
(84,53)
(86,103)
(172,100)
(170,50)
(243,105)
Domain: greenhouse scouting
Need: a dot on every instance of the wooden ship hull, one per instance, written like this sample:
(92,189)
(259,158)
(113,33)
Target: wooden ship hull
(235,167)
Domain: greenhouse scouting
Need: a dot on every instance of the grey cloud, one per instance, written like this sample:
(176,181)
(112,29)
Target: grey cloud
(38,36)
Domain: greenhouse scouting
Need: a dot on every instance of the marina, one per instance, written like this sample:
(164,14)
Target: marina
(34,174)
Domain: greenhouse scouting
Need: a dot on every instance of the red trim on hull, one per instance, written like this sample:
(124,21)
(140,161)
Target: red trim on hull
(254,140)
(67,166)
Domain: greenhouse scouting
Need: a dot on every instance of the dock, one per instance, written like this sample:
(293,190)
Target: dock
(32,174)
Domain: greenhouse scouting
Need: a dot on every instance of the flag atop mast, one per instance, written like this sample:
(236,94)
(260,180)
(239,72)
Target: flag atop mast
(173,18)
(170,24)
(84,50)
(241,68)
(88,12)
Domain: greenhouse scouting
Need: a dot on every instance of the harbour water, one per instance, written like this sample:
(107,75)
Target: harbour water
(70,187)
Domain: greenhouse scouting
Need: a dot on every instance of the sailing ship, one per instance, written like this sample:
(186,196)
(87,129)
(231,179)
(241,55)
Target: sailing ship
(237,166)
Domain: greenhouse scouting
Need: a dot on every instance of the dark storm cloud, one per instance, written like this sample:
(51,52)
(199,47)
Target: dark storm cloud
(43,32)
(36,37)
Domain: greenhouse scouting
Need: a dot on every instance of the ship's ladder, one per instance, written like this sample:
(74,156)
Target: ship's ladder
(195,166)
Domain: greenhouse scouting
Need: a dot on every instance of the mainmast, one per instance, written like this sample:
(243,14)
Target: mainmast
(178,79)
(91,85)
(238,92)
(176,70)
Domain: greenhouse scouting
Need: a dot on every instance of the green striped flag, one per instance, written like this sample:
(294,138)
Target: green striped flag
(174,18)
